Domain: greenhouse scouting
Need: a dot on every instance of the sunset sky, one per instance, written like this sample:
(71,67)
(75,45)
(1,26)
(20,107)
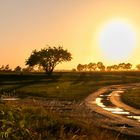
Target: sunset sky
(81,26)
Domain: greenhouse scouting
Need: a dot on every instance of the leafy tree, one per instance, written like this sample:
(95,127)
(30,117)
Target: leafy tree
(109,68)
(128,66)
(17,69)
(48,58)
(73,70)
(2,68)
(40,69)
(85,66)
(138,66)
(7,68)
(100,66)
(121,66)
(92,66)
(115,67)
(125,66)
(28,69)
(80,67)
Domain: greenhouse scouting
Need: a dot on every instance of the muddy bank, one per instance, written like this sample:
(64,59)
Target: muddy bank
(117,115)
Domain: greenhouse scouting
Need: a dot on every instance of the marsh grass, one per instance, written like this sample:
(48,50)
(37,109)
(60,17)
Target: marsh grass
(39,123)
(132,98)
(62,86)
(59,113)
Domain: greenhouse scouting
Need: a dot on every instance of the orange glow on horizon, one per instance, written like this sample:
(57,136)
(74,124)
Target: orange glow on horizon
(29,25)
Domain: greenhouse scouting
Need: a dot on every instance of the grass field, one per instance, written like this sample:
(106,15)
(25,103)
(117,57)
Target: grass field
(62,86)
(37,123)
(67,121)
(132,98)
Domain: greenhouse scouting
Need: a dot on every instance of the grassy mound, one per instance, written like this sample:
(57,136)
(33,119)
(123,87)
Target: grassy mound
(33,123)
(62,86)
(132,98)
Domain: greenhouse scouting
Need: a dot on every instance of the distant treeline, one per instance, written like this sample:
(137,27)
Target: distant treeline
(101,67)
(6,68)
(80,67)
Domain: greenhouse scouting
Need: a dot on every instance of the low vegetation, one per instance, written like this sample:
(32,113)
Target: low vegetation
(132,98)
(38,123)
(66,119)
(61,86)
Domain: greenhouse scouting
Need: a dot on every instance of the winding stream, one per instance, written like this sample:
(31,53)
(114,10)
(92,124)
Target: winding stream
(104,102)
(10,98)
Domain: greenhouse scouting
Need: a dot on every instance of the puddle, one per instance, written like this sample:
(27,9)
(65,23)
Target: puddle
(108,95)
(116,94)
(121,113)
(134,117)
(122,125)
(10,99)
(119,91)
(99,102)
(113,109)
(104,102)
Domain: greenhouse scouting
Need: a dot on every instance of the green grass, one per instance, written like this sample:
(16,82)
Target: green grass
(24,122)
(62,86)
(36,123)
(132,98)
(33,123)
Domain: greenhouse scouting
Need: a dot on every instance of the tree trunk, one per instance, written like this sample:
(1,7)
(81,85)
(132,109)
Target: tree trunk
(49,72)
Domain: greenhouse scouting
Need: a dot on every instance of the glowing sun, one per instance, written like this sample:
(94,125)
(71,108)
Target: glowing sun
(117,40)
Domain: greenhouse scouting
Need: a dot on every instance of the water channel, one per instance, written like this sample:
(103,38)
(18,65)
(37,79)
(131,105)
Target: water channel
(104,102)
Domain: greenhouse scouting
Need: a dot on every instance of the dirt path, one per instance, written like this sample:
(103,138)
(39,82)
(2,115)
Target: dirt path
(89,108)
(116,100)
(115,121)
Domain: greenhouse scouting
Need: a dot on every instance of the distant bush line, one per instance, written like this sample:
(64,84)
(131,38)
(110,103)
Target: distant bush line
(101,67)
(80,68)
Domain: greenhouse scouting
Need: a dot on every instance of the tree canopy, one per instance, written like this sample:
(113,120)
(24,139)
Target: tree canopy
(101,67)
(48,58)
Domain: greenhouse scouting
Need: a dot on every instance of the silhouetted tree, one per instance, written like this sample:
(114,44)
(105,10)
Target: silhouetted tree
(100,66)
(125,66)
(128,66)
(85,66)
(28,69)
(121,66)
(48,58)
(92,66)
(115,67)
(109,68)
(138,66)
(80,67)
(40,69)
(7,68)
(73,70)
(2,68)
(17,69)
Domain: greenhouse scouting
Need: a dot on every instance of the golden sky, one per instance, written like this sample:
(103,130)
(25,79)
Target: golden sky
(75,24)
